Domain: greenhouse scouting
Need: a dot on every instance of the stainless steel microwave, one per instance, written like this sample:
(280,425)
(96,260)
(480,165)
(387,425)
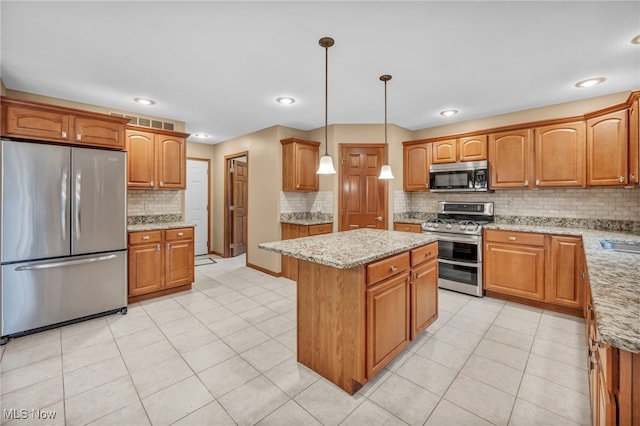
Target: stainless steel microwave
(470,176)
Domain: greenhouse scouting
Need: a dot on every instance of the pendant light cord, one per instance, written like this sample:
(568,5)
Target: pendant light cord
(386,145)
(326,96)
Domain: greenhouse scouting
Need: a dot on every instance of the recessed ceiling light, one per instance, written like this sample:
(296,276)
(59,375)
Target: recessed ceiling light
(285,100)
(200,135)
(144,101)
(590,82)
(636,40)
(449,112)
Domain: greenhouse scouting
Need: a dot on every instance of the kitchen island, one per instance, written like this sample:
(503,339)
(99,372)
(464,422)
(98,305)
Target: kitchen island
(362,297)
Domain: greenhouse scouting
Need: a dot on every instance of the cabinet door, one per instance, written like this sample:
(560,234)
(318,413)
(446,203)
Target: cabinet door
(388,321)
(140,160)
(36,124)
(290,264)
(634,143)
(515,269)
(179,258)
(564,280)
(417,159)
(90,131)
(172,162)
(607,149)
(306,165)
(472,148)
(424,297)
(510,159)
(145,268)
(444,151)
(560,155)
(407,227)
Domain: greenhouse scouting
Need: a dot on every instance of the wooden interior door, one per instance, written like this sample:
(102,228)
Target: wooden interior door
(363,197)
(239,197)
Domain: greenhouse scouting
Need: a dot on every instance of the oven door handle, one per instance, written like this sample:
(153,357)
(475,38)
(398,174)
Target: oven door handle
(465,240)
(454,262)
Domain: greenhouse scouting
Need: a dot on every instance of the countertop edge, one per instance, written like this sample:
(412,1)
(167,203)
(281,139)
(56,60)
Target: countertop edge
(158,226)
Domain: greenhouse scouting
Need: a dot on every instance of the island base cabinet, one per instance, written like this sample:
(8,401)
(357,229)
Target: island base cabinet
(387,321)
(424,296)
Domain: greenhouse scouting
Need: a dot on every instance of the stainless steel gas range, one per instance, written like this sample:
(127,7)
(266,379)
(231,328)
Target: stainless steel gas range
(458,228)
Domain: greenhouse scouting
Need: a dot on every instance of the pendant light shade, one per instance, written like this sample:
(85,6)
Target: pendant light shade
(385,171)
(326,163)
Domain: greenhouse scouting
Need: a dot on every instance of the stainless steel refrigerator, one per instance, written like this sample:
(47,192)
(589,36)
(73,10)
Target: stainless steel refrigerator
(63,235)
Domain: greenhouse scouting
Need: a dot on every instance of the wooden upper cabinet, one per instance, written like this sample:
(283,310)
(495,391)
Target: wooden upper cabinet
(156,160)
(300,159)
(560,155)
(52,123)
(607,146)
(444,151)
(172,162)
(510,159)
(634,143)
(473,148)
(417,159)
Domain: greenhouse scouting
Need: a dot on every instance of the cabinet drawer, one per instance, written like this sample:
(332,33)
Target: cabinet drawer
(526,238)
(385,268)
(145,237)
(179,234)
(424,253)
(407,227)
(323,228)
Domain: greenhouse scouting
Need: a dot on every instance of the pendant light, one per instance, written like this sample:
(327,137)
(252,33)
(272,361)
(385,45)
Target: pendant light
(326,163)
(385,171)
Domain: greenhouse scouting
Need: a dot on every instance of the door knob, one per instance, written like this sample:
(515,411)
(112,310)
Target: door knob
(379,218)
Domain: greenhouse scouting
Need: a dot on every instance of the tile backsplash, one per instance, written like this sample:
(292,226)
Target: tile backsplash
(592,203)
(306,202)
(149,202)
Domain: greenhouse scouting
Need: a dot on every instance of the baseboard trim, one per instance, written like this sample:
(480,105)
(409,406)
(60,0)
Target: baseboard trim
(266,271)
(216,253)
(159,293)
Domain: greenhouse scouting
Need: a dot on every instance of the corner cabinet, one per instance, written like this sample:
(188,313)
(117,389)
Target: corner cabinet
(300,159)
(156,159)
(634,143)
(161,262)
(417,159)
(51,123)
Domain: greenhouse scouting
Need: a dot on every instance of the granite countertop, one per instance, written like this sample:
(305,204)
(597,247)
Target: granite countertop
(614,278)
(158,226)
(345,250)
(306,218)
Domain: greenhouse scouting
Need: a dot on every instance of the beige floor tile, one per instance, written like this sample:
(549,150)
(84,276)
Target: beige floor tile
(405,400)
(243,305)
(444,353)
(139,339)
(428,374)
(560,353)
(480,313)
(89,355)
(458,338)
(559,373)
(505,354)
(289,339)
(258,315)
(160,376)
(149,355)
(202,305)
(493,373)
(177,401)
(266,298)
(12,359)
(369,413)
(208,355)
(129,324)
(211,414)
(452,301)
(93,375)
(328,403)
(291,376)
(267,355)
(31,340)
(282,306)
(245,339)
(229,298)
(180,326)
(289,414)
(169,315)
(566,338)
(252,291)
(83,327)
(516,324)
(130,415)
(30,374)
(480,399)
(38,395)
(527,414)
(188,298)
(212,315)
(253,401)
(522,312)
(98,402)
(193,339)
(448,414)
(86,338)
(228,326)
(563,322)
(227,376)
(555,398)
(510,337)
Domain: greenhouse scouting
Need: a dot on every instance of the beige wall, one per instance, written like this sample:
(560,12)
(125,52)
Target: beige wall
(201,151)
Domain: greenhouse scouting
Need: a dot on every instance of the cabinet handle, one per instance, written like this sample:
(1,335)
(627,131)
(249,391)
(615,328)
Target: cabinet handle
(526,183)
(426,185)
(151,183)
(161,183)
(393,268)
(537,182)
(145,237)
(297,185)
(64,135)
(512,238)
(487,247)
(168,246)
(406,229)
(632,177)
(621,178)
(158,247)
(180,234)
(589,307)
(321,229)
(79,137)
(428,254)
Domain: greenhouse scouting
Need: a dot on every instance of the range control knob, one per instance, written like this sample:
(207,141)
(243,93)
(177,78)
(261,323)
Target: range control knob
(448,226)
(462,227)
(436,225)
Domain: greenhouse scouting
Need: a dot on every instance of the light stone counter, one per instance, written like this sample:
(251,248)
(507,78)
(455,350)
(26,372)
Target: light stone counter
(614,278)
(345,250)
(158,226)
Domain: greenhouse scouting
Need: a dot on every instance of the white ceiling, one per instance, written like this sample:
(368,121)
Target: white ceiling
(218,66)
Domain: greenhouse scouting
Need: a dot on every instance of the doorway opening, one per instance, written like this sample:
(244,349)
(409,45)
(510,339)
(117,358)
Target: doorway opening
(236,197)
(362,197)
(197,199)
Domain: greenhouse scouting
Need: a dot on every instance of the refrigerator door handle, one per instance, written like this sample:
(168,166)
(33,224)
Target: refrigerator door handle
(63,202)
(68,263)
(77,204)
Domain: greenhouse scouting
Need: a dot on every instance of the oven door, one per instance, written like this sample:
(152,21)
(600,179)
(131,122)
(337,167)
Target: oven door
(460,263)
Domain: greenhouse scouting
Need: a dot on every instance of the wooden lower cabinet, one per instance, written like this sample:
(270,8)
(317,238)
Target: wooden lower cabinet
(292,230)
(353,322)
(160,262)
(565,271)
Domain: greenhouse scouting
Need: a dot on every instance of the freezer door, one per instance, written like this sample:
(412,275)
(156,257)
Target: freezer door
(39,294)
(35,201)
(99,200)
